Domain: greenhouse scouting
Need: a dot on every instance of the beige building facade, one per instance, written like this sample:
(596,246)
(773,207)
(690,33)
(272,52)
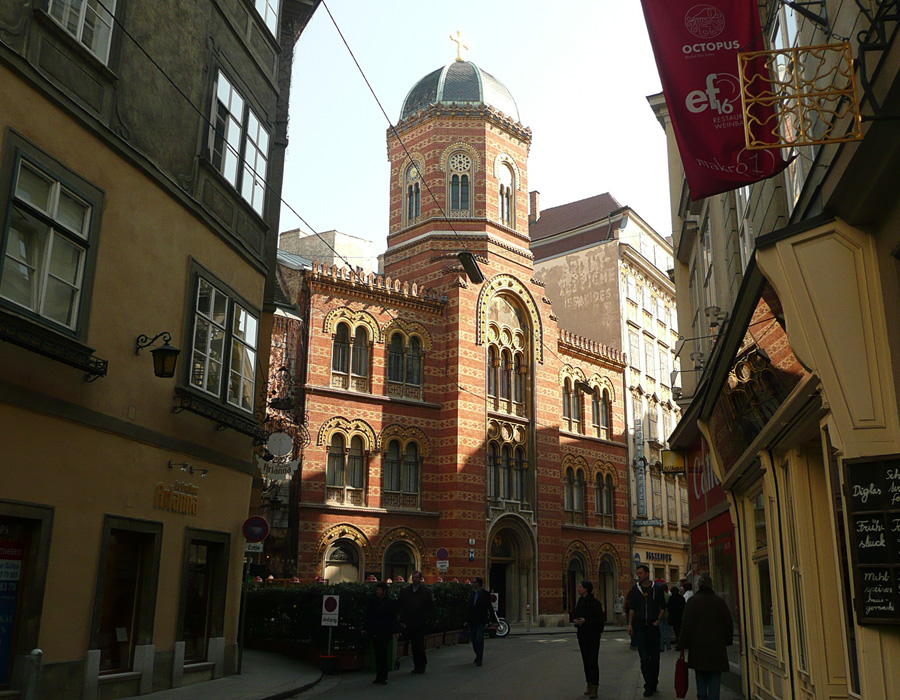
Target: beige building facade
(788,293)
(607,271)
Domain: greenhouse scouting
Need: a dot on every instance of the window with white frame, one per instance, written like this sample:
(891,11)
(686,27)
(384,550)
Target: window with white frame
(649,360)
(634,349)
(47,245)
(89,21)
(239,144)
(268,10)
(671,503)
(223,356)
(656,484)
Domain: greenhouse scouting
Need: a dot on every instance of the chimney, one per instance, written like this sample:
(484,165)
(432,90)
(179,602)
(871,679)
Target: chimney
(535,208)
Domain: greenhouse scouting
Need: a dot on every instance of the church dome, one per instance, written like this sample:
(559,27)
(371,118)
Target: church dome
(460,82)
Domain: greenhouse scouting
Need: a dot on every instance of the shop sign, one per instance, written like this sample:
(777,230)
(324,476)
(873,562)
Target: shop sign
(330,608)
(179,497)
(658,556)
(873,505)
(673,462)
(648,522)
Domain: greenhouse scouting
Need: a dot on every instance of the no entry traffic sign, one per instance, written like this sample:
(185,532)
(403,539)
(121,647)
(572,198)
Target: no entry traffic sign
(330,608)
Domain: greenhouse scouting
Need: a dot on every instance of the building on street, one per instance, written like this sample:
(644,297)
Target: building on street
(136,222)
(788,297)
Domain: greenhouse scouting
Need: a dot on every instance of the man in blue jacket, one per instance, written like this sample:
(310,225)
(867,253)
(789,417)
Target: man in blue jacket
(647,605)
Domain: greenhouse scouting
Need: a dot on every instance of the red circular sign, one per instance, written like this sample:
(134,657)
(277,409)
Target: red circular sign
(256,528)
(443,554)
(330,604)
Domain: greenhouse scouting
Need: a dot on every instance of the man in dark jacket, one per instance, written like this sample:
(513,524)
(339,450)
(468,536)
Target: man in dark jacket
(675,606)
(381,623)
(647,605)
(479,610)
(589,619)
(706,630)
(415,604)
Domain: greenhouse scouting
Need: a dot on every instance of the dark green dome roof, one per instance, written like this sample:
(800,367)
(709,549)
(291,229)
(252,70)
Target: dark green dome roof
(460,82)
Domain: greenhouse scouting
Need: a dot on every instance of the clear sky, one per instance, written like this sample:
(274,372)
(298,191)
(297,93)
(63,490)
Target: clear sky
(579,70)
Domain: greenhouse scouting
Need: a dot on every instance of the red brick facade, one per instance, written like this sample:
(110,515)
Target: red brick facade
(489,485)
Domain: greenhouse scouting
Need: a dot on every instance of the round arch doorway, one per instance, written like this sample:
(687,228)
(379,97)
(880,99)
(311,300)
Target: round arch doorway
(510,567)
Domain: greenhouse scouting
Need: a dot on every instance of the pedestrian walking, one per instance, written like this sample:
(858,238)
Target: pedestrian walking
(589,619)
(381,623)
(675,610)
(619,609)
(706,630)
(647,606)
(687,590)
(415,602)
(478,613)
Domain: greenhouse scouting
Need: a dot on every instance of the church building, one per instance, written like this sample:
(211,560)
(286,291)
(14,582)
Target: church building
(450,424)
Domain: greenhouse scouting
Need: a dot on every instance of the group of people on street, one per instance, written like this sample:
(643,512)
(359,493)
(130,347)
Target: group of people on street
(411,611)
(702,624)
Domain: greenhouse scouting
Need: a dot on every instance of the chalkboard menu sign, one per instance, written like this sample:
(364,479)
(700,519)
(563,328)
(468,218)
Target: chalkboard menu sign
(873,509)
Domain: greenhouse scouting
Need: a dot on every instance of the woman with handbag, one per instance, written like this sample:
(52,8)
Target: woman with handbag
(706,631)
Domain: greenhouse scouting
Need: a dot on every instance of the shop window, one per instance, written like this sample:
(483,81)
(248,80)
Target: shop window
(25,540)
(764,627)
(203,592)
(126,591)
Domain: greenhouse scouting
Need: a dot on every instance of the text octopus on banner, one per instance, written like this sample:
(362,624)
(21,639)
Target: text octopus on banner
(696,47)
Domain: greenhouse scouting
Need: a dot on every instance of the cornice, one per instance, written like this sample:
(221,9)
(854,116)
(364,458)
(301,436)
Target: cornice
(589,349)
(473,236)
(380,287)
(465,111)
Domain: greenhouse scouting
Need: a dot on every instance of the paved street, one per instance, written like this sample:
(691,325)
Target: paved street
(516,668)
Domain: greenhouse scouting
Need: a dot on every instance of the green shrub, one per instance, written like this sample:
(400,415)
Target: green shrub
(293,615)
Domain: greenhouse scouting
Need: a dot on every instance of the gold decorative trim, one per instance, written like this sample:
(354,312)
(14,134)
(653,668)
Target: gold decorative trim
(405,535)
(576,374)
(348,428)
(602,383)
(349,533)
(606,469)
(467,149)
(417,158)
(579,547)
(354,318)
(408,328)
(404,433)
(576,462)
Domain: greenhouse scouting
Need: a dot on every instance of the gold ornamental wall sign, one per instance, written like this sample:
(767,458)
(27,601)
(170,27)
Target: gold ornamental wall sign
(179,497)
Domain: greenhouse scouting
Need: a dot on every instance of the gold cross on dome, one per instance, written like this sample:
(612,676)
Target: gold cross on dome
(460,45)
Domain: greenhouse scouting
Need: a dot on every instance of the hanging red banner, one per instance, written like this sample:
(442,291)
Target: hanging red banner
(696,47)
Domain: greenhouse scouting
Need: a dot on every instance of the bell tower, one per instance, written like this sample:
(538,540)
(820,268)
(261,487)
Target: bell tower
(459,177)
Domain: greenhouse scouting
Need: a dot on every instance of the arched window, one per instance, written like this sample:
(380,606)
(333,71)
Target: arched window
(494,470)
(398,562)
(578,505)
(360,352)
(519,380)
(392,467)
(605,415)
(404,372)
(334,472)
(506,466)
(577,424)
(567,404)
(342,563)
(505,375)
(610,495)
(507,202)
(493,363)
(345,471)
(413,208)
(459,170)
(569,490)
(519,475)
(414,361)
(599,495)
(595,410)
(401,475)
(340,352)
(355,463)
